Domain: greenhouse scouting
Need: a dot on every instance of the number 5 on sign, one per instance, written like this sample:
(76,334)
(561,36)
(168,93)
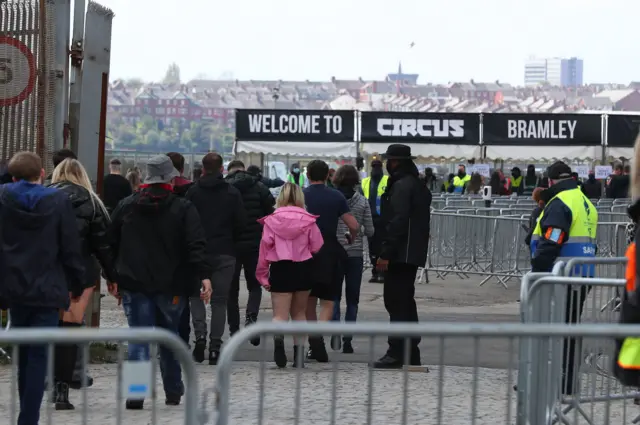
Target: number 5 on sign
(17,71)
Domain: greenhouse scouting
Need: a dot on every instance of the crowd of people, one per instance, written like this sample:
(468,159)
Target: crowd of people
(615,187)
(167,245)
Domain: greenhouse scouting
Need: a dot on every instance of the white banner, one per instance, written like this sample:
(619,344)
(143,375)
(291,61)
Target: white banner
(582,170)
(603,171)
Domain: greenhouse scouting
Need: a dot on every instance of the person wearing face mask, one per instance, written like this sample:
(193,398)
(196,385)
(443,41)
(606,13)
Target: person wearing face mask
(296,177)
(517,184)
(461,180)
(405,215)
(531,180)
(592,188)
(372,188)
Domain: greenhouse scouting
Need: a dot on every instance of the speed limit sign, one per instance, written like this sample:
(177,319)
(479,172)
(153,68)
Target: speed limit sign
(17,71)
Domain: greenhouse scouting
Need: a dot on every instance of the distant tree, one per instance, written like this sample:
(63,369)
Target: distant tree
(173,74)
(134,83)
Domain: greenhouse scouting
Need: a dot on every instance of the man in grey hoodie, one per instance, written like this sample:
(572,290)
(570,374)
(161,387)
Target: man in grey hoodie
(347,180)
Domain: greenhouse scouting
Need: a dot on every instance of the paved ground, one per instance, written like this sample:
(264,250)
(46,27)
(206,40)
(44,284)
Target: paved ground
(450,300)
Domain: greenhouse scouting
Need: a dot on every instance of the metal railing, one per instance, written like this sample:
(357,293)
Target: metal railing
(132,375)
(584,367)
(473,371)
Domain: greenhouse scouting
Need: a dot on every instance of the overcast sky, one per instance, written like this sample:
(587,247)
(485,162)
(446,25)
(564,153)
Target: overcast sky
(455,40)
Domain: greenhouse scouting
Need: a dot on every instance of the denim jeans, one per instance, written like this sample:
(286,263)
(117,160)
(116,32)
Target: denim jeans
(32,360)
(163,311)
(353,279)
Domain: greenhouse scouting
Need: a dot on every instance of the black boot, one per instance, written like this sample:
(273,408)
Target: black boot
(279,353)
(61,396)
(250,320)
(298,356)
(64,363)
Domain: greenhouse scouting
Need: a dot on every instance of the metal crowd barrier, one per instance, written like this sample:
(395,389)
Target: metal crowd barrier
(567,375)
(485,242)
(471,381)
(5,325)
(134,377)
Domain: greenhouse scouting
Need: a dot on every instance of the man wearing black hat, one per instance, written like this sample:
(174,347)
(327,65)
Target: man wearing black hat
(405,216)
(566,228)
(372,188)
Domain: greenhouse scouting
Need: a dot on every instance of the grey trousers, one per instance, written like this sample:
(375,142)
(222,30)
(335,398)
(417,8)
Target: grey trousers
(223,269)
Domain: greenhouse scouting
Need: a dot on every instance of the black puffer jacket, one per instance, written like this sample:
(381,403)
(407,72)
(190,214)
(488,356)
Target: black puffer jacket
(258,202)
(93,225)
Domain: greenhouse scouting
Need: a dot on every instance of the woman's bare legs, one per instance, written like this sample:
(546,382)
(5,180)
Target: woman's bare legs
(281,303)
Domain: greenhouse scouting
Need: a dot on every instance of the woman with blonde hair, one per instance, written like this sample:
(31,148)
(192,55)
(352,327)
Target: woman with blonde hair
(134,178)
(93,220)
(290,237)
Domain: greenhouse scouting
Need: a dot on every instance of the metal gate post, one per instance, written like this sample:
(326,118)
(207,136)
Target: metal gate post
(61,71)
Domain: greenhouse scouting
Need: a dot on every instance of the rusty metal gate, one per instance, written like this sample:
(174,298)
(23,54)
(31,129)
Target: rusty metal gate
(27,77)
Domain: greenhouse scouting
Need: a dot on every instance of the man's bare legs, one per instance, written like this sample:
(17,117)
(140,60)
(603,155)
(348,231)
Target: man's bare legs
(317,350)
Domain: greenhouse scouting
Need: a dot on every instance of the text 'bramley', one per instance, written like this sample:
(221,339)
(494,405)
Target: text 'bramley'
(295,124)
(398,127)
(541,129)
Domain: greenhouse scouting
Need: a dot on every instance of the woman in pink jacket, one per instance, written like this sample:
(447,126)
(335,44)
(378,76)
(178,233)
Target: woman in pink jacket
(289,238)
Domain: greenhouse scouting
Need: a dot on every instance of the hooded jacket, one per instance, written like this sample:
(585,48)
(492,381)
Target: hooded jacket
(92,223)
(221,211)
(258,202)
(289,234)
(361,211)
(40,258)
(154,235)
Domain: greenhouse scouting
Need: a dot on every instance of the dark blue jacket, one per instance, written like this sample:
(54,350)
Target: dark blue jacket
(40,256)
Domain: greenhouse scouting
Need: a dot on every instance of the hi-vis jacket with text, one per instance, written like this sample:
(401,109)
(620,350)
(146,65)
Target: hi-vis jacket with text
(626,363)
(566,227)
(382,186)
(460,182)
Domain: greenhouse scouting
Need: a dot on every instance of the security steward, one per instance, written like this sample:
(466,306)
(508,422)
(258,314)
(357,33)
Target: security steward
(372,188)
(460,181)
(566,228)
(517,185)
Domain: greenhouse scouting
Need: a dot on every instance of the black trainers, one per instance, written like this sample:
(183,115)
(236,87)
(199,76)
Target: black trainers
(250,320)
(134,404)
(198,351)
(213,357)
(336,342)
(172,399)
(317,350)
(347,348)
(374,279)
(279,354)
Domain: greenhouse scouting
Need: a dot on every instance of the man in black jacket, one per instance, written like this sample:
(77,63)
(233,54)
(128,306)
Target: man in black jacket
(223,218)
(154,233)
(258,202)
(405,210)
(41,267)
